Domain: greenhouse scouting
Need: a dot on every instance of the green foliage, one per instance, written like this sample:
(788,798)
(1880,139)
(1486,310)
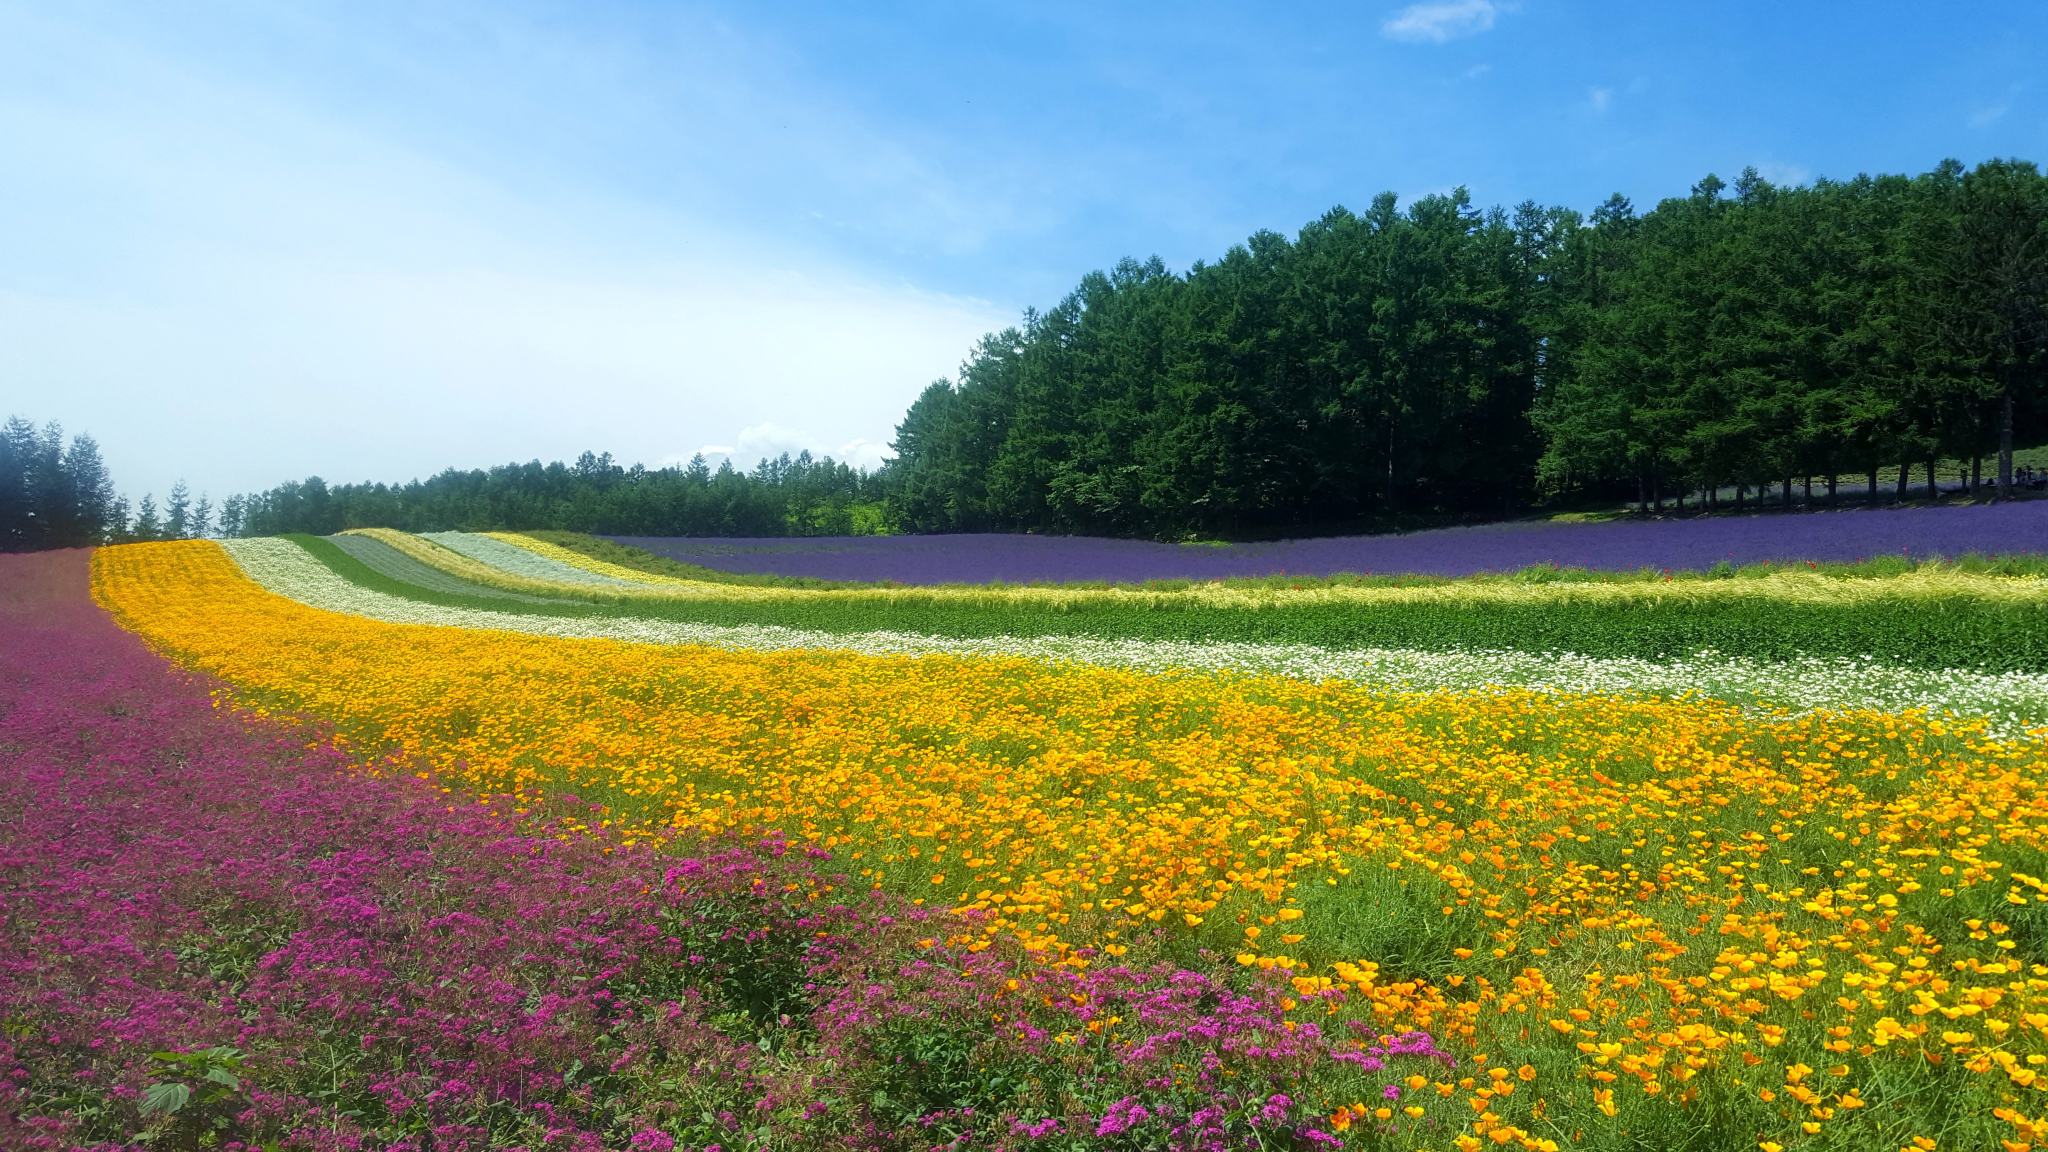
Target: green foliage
(2002,564)
(54,495)
(789,496)
(760,976)
(1441,361)
(1375,367)
(1799,332)
(198,1098)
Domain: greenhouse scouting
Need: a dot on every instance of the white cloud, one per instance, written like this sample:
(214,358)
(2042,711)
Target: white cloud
(239,289)
(864,454)
(1601,98)
(769,440)
(1436,21)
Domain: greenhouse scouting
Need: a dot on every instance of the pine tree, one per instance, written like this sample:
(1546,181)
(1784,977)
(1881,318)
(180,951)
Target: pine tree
(146,524)
(177,512)
(231,516)
(99,513)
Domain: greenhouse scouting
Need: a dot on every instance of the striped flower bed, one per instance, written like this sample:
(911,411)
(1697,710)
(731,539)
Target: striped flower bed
(1705,900)
(2013,702)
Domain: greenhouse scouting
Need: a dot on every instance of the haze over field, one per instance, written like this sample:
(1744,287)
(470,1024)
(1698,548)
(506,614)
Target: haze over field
(372,241)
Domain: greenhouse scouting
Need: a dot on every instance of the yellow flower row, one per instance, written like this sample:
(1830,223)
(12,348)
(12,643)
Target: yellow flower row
(1669,897)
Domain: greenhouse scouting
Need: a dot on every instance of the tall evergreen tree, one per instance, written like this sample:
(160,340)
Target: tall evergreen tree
(147,526)
(1993,309)
(53,494)
(178,512)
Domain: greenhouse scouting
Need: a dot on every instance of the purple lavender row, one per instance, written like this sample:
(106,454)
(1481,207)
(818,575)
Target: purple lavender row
(1677,545)
(222,933)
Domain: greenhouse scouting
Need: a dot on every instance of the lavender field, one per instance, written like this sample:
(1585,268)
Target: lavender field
(1692,544)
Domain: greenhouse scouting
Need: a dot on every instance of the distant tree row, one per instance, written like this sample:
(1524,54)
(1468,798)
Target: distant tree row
(787,496)
(59,495)
(53,494)
(1444,360)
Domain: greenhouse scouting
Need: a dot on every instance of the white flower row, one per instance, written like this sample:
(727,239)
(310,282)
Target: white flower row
(2014,702)
(518,561)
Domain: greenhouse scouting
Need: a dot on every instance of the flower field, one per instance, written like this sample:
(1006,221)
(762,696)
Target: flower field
(230,933)
(1067,887)
(1980,616)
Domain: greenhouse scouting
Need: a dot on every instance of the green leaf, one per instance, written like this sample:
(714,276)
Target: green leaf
(165,1098)
(223,1076)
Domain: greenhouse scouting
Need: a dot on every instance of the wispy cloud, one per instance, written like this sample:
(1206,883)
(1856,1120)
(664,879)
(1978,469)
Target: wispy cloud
(220,263)
(1783,174)
(1600,98)
(1991,114)
(1435,21)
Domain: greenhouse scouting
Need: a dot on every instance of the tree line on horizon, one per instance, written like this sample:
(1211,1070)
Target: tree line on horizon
(1447,361)
(56,493)
(780,496)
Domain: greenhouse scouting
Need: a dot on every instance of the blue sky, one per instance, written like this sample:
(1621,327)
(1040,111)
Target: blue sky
(244,242)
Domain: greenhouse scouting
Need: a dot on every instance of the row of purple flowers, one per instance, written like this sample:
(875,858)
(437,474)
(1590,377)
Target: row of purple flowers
(1691,544)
